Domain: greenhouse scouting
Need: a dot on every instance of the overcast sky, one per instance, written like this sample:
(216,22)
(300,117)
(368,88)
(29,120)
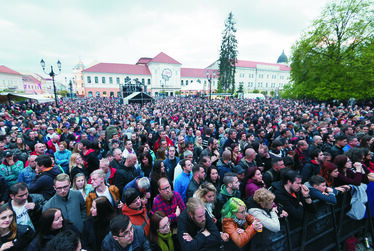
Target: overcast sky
(123,31)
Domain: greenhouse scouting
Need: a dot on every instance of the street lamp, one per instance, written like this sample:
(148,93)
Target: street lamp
(71,89)
(209,76)
(52,74)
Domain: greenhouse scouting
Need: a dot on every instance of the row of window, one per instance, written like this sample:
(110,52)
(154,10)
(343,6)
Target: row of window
(251,75)
(110,80)
(36,87)
(104,94)
(205,82)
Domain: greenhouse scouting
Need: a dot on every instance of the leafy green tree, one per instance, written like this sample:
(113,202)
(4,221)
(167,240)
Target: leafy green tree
(334,59)
(228,56)
(240,90)
(256,91)
(62,93)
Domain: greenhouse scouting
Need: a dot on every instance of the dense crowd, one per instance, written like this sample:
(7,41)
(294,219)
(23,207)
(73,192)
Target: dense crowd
(177,174)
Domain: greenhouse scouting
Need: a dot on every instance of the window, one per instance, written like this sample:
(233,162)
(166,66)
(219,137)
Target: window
(267,76)
(186,82)
(112,94)
(97,94)
(89,94)
(149,81)
(96,80)
(118,94)
(181,82)
(103,80)
(143,81)
(110,80)
(89,79)
(104,94)
(117,80)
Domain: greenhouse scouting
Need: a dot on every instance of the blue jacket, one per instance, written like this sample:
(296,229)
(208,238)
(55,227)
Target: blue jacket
(62,158)
(317,194)
(27,175)
(181,184)
(169,167)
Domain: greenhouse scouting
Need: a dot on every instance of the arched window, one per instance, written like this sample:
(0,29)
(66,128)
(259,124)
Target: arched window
(104,94)
(97,94)
(89,94)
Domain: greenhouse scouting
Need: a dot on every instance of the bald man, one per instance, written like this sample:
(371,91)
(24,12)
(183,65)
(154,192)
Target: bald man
(126,173)
(248,160)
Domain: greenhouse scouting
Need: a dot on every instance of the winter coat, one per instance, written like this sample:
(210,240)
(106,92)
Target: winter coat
(311,168)
(224,168)
(291,204)
(27,175)
(138,217)
(230,226)
(22,239)
(124,175)
(44,182)
(317,194)
(73,207)
(91,161)
(62,158)
(114,193)
(251,187)
(199,240)
(94,233)
(11,172)
(139,243)
(222,198)
(268,218)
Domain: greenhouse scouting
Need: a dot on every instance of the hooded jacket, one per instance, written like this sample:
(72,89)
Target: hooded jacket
(43,183)
(11,172)
(138,217)
(222,198)
(230,226)
(91,161)
(311,168)
(268,218)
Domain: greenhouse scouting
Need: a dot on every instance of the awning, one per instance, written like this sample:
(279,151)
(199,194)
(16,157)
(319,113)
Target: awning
(5,97)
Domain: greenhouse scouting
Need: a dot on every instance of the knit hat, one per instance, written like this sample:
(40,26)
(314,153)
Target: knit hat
(130,195)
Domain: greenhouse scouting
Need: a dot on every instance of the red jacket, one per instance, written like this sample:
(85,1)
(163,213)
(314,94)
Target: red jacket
(51,145)
(157,144)
(138,217)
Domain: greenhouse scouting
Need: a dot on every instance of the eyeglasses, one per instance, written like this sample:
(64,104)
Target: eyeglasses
(62,188)
(127,233)
(165,226)
(165,189)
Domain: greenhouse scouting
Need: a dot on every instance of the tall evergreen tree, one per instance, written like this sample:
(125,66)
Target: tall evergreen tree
(228,56)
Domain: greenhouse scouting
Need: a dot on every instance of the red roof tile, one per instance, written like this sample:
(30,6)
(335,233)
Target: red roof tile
(251,64)
(197,73)
(4,69)
(119,68)
(163,58)
(144,60)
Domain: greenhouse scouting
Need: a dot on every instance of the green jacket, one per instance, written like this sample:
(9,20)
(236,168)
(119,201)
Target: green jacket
(10,173)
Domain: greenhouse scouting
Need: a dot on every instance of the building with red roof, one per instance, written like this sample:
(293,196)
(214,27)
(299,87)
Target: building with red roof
(164,74)
(10,80)
(31,85)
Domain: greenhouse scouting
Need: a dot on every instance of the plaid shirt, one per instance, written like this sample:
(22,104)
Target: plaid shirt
(159,204)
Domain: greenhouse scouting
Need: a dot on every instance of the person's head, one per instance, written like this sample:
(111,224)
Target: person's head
(318,182)
(277,163)
(302,145)
(62,184)
(32,162)
(97,178)
(341,140)
(343,163)
(291,180)
(186,165)
(86,144)
(79,181)
(62,146)
(188,155)
(117,154)
(254,173)
(234,208)
(233,133)
(205,161)
(355,155)
(206,192)
(143,184)
(317,155)
(75,160)
(19,193)
(196,210)
(264,197)
(51,219)
(159,224)
(8,220)
(39,148)
(329,171)
(158,168)
(131,160)
(198,172)
(171,152)
(65,240)
(102,209)
(212,174)
(164,189)
(128,145)
(353,141)
(132,199)
(105,165)
(250,154)
(317,140)
(231,181)
(43,162)
(122,230)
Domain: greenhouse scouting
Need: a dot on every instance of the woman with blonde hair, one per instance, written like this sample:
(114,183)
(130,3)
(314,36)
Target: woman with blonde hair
(207,193)
(76,165)
(240,225)
(80,184)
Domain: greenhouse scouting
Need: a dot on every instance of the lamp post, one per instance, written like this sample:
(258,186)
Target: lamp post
(52,74)
(209,76)
(71,89)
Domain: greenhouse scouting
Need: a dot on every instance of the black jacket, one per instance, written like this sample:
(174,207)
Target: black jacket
(309,170)
(140,242)
(23,238)
(123,176)
(335,151)
(43,183)
(192,187)
(94,234)
(200,241)
(291,204)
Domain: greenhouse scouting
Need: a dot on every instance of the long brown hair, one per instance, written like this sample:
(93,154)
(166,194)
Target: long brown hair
(155,224)
(326,170)
(13,224)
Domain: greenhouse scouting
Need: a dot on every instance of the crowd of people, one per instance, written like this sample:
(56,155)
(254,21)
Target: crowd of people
(177,174)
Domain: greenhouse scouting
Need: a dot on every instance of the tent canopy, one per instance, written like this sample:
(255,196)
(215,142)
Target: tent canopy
(6,97)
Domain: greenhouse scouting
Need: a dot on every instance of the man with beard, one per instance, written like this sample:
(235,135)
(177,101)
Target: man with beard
(317,143)
(293,196)
(168,201)
(196,230)
(211,151)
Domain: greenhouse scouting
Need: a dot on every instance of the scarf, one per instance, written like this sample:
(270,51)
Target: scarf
(239,222)
(165,242)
